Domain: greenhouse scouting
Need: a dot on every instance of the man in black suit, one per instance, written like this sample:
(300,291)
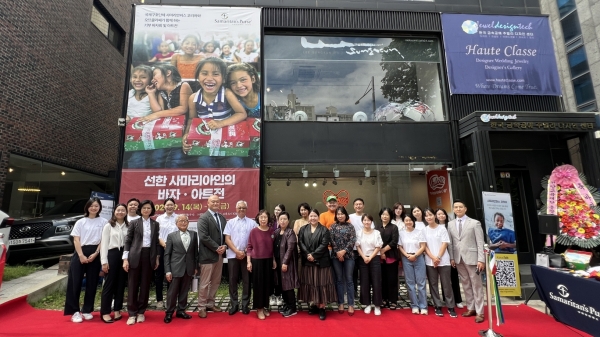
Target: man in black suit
(181,263)
(212,248)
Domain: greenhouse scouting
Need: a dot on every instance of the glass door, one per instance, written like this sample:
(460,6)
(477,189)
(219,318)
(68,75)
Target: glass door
(464,186)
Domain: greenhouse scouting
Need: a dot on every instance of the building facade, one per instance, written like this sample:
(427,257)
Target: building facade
(63,65)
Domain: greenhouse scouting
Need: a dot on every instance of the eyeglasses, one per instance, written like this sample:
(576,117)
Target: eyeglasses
(242,208)
(183,221)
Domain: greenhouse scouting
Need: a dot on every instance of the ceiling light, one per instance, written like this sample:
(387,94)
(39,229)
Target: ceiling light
(288,182)
(359,181)
(62,173)
(28,189)
(373,181)
(10,169)
(334,181)
(324,181)
(315,183)
(305,183)
(269,181)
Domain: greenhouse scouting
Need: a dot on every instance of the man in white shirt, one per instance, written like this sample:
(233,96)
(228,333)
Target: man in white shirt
(236,234)
(356,221)
(466,255)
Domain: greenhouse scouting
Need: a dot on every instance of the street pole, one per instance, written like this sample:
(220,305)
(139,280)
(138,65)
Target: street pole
(373,93)
(490,332)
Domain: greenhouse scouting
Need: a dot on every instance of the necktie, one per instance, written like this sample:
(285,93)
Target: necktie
(460,226)
(185,237)
(219,225)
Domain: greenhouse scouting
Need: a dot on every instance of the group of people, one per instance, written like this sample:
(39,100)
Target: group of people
(220,94)
(322,255)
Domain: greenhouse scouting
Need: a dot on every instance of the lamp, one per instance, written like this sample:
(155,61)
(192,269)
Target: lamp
(288,182)
(360,181)
(315,183)
(269,181)
(373,181)
(324,181)
(305,183)
(334,181)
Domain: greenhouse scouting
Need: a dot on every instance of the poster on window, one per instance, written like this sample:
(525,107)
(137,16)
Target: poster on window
(438,190)
(499,223)
(498,54)
(193,108)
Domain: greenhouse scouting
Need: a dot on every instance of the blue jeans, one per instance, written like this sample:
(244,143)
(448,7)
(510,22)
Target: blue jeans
(166,158)
(224,162)
(344,283)
(134,159)
(416,279)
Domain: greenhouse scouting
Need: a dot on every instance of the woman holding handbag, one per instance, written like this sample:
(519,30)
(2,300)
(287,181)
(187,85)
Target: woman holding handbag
(389,259)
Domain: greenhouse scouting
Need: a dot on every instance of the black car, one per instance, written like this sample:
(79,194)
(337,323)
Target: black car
(46,236)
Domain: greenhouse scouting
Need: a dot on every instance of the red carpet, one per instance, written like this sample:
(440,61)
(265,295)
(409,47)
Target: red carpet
(17,318)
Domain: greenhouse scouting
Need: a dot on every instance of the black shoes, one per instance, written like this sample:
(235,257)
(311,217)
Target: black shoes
(182,314)
(322,314)
(234,308)
(168,318)
(452,313)
(438,312)
(313,310)
(245,310)
(289,312)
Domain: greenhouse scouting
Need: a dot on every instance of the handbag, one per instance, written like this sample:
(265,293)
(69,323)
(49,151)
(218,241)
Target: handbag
(555,260)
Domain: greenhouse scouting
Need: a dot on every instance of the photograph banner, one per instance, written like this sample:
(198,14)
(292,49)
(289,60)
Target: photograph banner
(497,54)
(499,223)
(194,108)
(438,190)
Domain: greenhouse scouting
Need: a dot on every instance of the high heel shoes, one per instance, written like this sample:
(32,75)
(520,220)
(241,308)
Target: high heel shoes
(106,321)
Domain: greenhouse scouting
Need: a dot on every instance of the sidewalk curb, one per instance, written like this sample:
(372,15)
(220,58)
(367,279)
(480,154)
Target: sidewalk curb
(37,293)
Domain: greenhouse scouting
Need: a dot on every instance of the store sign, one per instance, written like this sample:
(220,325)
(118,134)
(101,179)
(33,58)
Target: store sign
(220,161)
(438,190)
(487,117)
(495,54)
(561,126)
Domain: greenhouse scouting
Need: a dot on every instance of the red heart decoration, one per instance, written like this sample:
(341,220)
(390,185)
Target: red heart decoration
(343,197)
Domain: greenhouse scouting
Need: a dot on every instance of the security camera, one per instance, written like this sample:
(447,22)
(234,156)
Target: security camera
(121,122)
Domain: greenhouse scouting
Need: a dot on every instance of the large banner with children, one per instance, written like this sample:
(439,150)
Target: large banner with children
(193,108)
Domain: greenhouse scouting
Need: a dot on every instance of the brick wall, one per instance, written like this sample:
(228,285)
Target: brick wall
(61,84)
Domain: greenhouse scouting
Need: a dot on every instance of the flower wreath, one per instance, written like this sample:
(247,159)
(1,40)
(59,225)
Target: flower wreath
(567,195)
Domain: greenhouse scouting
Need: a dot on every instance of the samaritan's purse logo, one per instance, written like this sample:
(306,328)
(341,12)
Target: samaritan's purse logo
(256,125)
(203,129)
(470,27)
(436,182)
(563,290)
(138,125)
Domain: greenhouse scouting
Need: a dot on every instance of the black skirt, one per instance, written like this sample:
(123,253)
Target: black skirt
(316,285)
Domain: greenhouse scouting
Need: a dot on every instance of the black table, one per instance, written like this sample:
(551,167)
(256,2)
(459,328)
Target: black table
(572,300)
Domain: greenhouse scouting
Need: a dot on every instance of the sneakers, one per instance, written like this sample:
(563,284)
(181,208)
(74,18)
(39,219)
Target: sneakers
(460,305)
(141,318)
(377,311)
(438,312)
(368,309)
(87,317)
(289,312)
(424,312)
(272,300)
(452,313)
(279,300)
(131,320)
(160,305)
(76,318)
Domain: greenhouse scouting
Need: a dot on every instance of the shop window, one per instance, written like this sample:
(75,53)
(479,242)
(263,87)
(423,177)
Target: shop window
(588,107)
(330,79)
(379,185)
(565,7)
(108,27)
(570,26)
(578,62)
(584,89)
(33,187)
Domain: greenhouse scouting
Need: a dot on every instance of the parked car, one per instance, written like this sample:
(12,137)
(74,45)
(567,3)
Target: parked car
(45,236)
(5,230)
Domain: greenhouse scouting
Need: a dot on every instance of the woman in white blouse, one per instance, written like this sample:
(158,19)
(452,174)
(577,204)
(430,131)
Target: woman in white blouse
(368,244)
(412,247)
(86,234)
(438,267)
(398,215)
(132,207)
(167,225)
(113,240)
(418,214)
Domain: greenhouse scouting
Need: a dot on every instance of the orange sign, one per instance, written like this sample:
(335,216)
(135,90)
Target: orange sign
(438,190)
(343,197)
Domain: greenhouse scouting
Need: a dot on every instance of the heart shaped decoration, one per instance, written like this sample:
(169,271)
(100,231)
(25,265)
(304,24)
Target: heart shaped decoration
(343,197)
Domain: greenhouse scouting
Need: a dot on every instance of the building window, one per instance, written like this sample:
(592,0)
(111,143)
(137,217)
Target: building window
(578,62)
(584,89)
(108,27)
(570,26)
(343,78)
(565,7)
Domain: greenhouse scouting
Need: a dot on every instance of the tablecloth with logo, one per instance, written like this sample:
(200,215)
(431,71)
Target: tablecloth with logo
(572,300)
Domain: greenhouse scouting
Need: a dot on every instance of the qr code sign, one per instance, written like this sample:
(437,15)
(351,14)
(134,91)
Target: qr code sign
(506,274)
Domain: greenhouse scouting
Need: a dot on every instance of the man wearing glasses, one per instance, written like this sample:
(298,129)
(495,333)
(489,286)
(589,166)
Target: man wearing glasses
(236,234)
